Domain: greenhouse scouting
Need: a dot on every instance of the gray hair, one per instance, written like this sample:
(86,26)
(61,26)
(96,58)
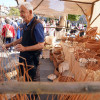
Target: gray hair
(27,5)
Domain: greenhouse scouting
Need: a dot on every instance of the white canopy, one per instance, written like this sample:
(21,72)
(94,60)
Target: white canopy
(90,8)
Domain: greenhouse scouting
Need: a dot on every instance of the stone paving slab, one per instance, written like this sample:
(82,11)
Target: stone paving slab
(46,68)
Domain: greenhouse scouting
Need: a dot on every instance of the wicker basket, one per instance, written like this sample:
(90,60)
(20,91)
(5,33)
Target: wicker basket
(51,57)
(81,39)
(70,39)
(91,41)
(46,53)
(55,63)
(57,49)
(92,46)
(93,66)
(56,72)
(92,31)
(59,60)
(66,79)
(63,39)
(98,51)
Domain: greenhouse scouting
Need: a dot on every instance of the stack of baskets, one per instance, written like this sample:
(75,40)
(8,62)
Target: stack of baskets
(92,45)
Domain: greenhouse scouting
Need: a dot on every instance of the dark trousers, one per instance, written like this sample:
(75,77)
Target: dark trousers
(8,40)
(33,73)
(30,66)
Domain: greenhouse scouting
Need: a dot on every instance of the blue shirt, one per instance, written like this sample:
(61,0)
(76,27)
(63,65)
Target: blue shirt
(38,31)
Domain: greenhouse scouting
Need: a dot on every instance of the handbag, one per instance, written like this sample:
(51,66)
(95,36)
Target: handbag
(8,33)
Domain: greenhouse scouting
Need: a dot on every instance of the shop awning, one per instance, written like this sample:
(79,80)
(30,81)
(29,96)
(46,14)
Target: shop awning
(53,8)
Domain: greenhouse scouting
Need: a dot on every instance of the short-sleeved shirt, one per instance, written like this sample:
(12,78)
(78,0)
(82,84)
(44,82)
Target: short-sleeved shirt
(38,31)
(32,57)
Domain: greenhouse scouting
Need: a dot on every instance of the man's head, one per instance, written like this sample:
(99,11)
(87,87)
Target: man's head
(7,21)
(26,11)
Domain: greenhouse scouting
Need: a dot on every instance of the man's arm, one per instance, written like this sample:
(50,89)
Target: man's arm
(38,46)
(39,36)
(14,43)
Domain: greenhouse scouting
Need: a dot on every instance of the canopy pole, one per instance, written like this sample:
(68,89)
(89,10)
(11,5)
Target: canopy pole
(95,19)
(91,12)
(38,5)
(87,17)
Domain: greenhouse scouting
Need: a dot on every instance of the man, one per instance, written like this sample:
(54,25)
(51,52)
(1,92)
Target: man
(32,41)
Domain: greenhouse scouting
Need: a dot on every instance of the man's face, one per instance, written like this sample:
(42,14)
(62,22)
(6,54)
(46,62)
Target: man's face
(25,14)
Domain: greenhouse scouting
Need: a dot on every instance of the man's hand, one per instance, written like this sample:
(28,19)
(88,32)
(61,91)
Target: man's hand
(19,47)
(6,46)
(3,47)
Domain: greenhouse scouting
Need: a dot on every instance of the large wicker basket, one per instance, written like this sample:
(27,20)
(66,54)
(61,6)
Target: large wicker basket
(81,39)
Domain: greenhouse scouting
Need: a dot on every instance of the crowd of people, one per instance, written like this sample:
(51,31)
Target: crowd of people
(15,25)
(11,29)
(71,29)
(15,28)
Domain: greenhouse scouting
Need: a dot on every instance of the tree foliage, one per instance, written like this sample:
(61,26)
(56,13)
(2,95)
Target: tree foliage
(73,17)
(14,12)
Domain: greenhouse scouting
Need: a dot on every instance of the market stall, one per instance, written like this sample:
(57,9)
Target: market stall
(75,59)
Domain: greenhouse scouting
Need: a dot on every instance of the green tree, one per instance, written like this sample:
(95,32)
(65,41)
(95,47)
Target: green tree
(14,12)
(73,17)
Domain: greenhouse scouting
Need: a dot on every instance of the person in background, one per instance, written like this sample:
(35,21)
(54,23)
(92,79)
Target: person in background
(47,29)
(2,22)
(21,26)
(59,32)
(68,26)
(8,33)
(0,26)
(15,25)
(44,25)
(81,33)
(52,30)
(18,31)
